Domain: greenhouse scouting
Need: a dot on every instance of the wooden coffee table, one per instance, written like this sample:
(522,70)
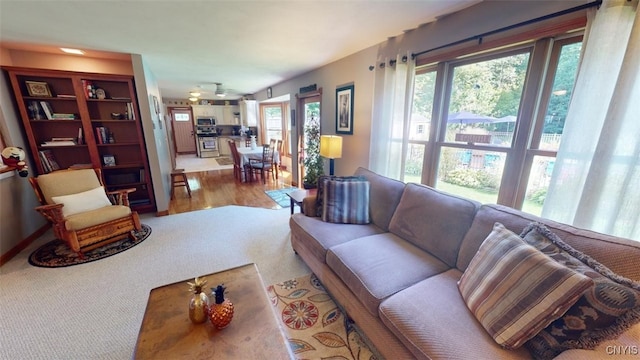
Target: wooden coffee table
(254,333)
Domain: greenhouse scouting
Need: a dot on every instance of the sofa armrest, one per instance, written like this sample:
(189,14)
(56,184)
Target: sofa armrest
(309,206)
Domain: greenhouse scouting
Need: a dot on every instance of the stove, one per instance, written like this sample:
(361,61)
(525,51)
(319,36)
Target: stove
(207,135)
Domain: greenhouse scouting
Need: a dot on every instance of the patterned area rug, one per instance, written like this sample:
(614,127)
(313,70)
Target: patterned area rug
(280,196)
(56,253)
(316,328)
(224,161)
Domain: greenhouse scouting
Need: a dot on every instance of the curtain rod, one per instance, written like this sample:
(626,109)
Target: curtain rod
(528,22)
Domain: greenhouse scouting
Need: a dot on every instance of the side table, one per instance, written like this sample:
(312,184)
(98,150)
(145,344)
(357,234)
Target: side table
(296,197)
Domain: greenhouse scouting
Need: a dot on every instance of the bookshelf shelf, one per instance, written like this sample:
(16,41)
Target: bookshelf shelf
(90,122)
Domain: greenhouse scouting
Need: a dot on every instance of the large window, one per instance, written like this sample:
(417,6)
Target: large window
(495,135)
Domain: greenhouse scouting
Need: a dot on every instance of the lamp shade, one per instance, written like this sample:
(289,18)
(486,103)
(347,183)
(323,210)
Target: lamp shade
(331,146)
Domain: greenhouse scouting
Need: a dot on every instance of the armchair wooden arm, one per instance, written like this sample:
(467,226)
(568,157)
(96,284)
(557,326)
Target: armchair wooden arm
(120,196)
(52,212)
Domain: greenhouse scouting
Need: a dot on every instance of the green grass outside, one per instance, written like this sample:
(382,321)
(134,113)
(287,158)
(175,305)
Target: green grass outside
(477,195)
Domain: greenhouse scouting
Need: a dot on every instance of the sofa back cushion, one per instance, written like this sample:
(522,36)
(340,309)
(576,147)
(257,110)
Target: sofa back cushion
(434,221)
(384,196)
(618,254)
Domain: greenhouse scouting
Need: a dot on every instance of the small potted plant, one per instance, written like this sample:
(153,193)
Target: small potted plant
(313,164)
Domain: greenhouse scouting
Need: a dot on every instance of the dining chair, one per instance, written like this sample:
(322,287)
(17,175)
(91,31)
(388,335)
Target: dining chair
(264,165)
(239,171)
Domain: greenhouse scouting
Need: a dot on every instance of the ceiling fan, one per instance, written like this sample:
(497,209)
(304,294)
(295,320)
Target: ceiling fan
(217,89)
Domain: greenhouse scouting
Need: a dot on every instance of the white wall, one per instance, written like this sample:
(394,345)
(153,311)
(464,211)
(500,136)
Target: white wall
(486,16)
(155,134)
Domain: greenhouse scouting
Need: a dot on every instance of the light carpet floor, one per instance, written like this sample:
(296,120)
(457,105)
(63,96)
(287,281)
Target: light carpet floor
(94,310)
(192,163)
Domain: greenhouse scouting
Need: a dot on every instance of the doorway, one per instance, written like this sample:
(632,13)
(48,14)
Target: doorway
(183,134)
(309,105)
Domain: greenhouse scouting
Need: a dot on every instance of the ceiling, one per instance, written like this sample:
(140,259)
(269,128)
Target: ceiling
(245,45)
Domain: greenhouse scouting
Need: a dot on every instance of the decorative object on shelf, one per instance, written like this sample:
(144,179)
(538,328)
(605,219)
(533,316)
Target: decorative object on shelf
(344,110)
(331,148)
(313,165)
(14,157)
(117,116)
(38,88)
(109,160)
(199,303)
(253,142)
(221,311)
(100,94)
(35,112)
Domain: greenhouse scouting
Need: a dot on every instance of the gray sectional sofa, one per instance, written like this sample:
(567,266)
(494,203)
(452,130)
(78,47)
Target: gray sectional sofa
(397,277)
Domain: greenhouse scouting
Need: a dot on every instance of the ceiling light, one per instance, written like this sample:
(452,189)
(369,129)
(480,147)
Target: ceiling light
(221,94)
(194,94)
(193,99)
(73,51)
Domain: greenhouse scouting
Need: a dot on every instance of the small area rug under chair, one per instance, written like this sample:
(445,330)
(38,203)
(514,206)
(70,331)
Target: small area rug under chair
(56,253)
(280,196)
(316,327)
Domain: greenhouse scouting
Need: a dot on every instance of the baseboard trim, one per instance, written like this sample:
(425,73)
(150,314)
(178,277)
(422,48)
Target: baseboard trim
(23,244)
(162,213)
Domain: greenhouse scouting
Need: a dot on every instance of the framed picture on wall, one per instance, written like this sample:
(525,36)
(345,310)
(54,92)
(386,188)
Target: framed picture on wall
(344,110)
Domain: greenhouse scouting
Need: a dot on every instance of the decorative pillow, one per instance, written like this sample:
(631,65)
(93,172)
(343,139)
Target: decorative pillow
(345,202)
(320,191)
(82,202)
(515,290)
(603,312)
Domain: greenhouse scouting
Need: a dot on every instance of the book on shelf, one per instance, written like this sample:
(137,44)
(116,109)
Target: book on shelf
(103,135)
(48,111)
(66,96)
(80,137)
(48,161)
(59,142)
(123,98)
(61,116)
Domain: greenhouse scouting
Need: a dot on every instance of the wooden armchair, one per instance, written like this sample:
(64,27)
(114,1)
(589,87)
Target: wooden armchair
(81,212)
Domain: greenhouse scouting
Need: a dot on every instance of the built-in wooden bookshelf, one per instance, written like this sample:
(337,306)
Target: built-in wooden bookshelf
(85,120)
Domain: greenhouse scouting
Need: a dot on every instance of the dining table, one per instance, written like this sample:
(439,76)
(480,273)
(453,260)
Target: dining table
(247,153)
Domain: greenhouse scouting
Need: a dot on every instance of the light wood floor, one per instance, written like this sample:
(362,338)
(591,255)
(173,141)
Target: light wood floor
(210,189)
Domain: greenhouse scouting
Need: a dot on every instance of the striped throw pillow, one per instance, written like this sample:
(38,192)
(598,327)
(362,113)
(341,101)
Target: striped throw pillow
(345,202)
(515,290)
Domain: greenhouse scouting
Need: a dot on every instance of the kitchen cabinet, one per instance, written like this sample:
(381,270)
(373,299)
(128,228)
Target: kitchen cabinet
(77,120)
(229,114)
(206,111)
(249,112)
(223,144)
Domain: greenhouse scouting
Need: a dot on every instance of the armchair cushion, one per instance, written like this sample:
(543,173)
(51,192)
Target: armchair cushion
(83,201)
(96,217)
(67,182)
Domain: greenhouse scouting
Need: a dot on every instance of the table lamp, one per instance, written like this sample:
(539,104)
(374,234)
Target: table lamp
(331,148)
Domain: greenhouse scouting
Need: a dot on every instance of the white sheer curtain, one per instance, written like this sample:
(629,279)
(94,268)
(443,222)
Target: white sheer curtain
(596,178)
(392,108)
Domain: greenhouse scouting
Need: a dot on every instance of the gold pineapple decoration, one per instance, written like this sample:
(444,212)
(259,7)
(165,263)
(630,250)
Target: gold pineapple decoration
(199,303)
(221,312)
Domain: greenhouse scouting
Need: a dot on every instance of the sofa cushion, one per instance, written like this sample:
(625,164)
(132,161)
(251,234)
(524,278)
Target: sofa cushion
(603,312)
(431,320)
(384,196)
(320,191)
(377,266)
(514,290)
(432,220)
(618,254)
(345,202)
(96,217)
(320,236)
